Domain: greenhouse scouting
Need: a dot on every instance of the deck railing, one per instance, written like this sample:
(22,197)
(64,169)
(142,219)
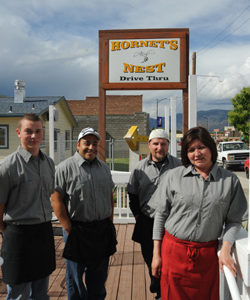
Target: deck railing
(122,212)
(230,288)
(232,284)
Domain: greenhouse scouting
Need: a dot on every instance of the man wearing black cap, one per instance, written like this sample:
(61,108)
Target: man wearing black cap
(83,203)
(143,182)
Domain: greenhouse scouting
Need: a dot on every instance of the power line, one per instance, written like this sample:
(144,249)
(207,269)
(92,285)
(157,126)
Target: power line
(225,37)
(206,48)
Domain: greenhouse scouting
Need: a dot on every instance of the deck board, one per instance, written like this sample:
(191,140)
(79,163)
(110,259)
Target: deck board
(124,290)
(139,282)
(128,277)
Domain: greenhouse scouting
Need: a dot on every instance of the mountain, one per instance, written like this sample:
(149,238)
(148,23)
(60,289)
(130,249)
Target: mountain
(211,119)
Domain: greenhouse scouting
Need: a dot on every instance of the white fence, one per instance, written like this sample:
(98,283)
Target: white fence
(230,288)
(122,212)
(237,288)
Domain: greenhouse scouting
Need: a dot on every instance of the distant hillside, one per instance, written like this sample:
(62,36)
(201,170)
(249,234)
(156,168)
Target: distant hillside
(215,118)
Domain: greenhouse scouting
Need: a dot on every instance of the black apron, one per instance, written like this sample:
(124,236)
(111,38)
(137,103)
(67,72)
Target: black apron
(28,252)
(143,230)
(90,241)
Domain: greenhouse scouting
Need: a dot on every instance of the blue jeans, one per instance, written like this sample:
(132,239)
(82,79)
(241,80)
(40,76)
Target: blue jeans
(33,290)
(95,277)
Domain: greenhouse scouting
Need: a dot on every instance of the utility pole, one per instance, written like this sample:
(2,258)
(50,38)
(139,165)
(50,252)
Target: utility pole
(194,63)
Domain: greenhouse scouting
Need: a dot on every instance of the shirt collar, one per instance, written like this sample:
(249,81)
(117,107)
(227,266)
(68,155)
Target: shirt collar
(26,155)
(190,170)
(214,172)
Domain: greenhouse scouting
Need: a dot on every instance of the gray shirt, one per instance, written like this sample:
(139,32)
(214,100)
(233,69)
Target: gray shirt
(86,188)
(26,183)
(194,209)
(145,178)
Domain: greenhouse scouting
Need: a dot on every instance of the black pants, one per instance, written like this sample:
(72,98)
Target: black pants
(142,234)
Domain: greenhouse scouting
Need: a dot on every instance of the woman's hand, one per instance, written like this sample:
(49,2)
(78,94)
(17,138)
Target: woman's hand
(156,266)
(156,261)
(225,258)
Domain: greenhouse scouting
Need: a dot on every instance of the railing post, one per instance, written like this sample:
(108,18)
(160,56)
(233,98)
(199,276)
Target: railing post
(128,206)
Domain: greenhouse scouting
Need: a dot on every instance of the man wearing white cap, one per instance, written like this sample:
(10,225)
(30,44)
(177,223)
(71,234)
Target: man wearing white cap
(142,184)
(83,203)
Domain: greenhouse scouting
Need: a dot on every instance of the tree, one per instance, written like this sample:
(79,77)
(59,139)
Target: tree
(239,117)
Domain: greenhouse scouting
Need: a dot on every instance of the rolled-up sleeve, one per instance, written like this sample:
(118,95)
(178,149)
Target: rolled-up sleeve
(237,212)
(160,200)
(158,229)
(60,182)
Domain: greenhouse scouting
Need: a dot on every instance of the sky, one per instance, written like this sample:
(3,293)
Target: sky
(53,45)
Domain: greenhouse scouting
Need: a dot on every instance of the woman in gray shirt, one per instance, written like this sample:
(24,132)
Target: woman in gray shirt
(195,202)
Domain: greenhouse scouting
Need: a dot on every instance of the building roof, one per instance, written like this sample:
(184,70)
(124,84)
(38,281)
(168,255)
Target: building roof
(36,105)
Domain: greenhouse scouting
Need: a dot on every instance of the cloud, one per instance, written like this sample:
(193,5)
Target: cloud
(232,66)
(53,45)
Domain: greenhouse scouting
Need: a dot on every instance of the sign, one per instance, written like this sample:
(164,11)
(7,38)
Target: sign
(144,60)
(216,130)
(159,121)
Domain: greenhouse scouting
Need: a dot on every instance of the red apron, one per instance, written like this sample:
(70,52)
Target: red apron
(190,270)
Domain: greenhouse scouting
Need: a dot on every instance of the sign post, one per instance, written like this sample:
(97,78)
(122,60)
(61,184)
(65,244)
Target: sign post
(216,131)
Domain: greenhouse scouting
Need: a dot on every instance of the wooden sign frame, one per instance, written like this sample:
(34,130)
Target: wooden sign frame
(182,34)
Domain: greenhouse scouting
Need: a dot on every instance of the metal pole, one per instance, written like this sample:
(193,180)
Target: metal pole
(156,113)
(157,103)
(167,119)
(51,131)
(173,125)
(192,103)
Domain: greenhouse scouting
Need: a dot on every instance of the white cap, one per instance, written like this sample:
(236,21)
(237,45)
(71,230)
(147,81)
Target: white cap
(87,131)
(158,134)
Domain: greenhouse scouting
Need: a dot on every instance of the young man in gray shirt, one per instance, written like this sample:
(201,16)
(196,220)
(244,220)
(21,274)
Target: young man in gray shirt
(83,203)
(27,179)
(143,182)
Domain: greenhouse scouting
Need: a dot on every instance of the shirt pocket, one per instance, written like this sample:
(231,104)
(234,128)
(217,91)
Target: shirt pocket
(24,191)
(183,201)
(78,188)
(48,184)
(219,207)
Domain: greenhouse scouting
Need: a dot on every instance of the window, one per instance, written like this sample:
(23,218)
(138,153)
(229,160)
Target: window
(4,136)
(56,135)
(42,145)
(67,139)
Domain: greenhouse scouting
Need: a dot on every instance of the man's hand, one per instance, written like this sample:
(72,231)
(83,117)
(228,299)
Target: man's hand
(60,211)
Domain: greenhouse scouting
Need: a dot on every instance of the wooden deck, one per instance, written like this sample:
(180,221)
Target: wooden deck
(128,277)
